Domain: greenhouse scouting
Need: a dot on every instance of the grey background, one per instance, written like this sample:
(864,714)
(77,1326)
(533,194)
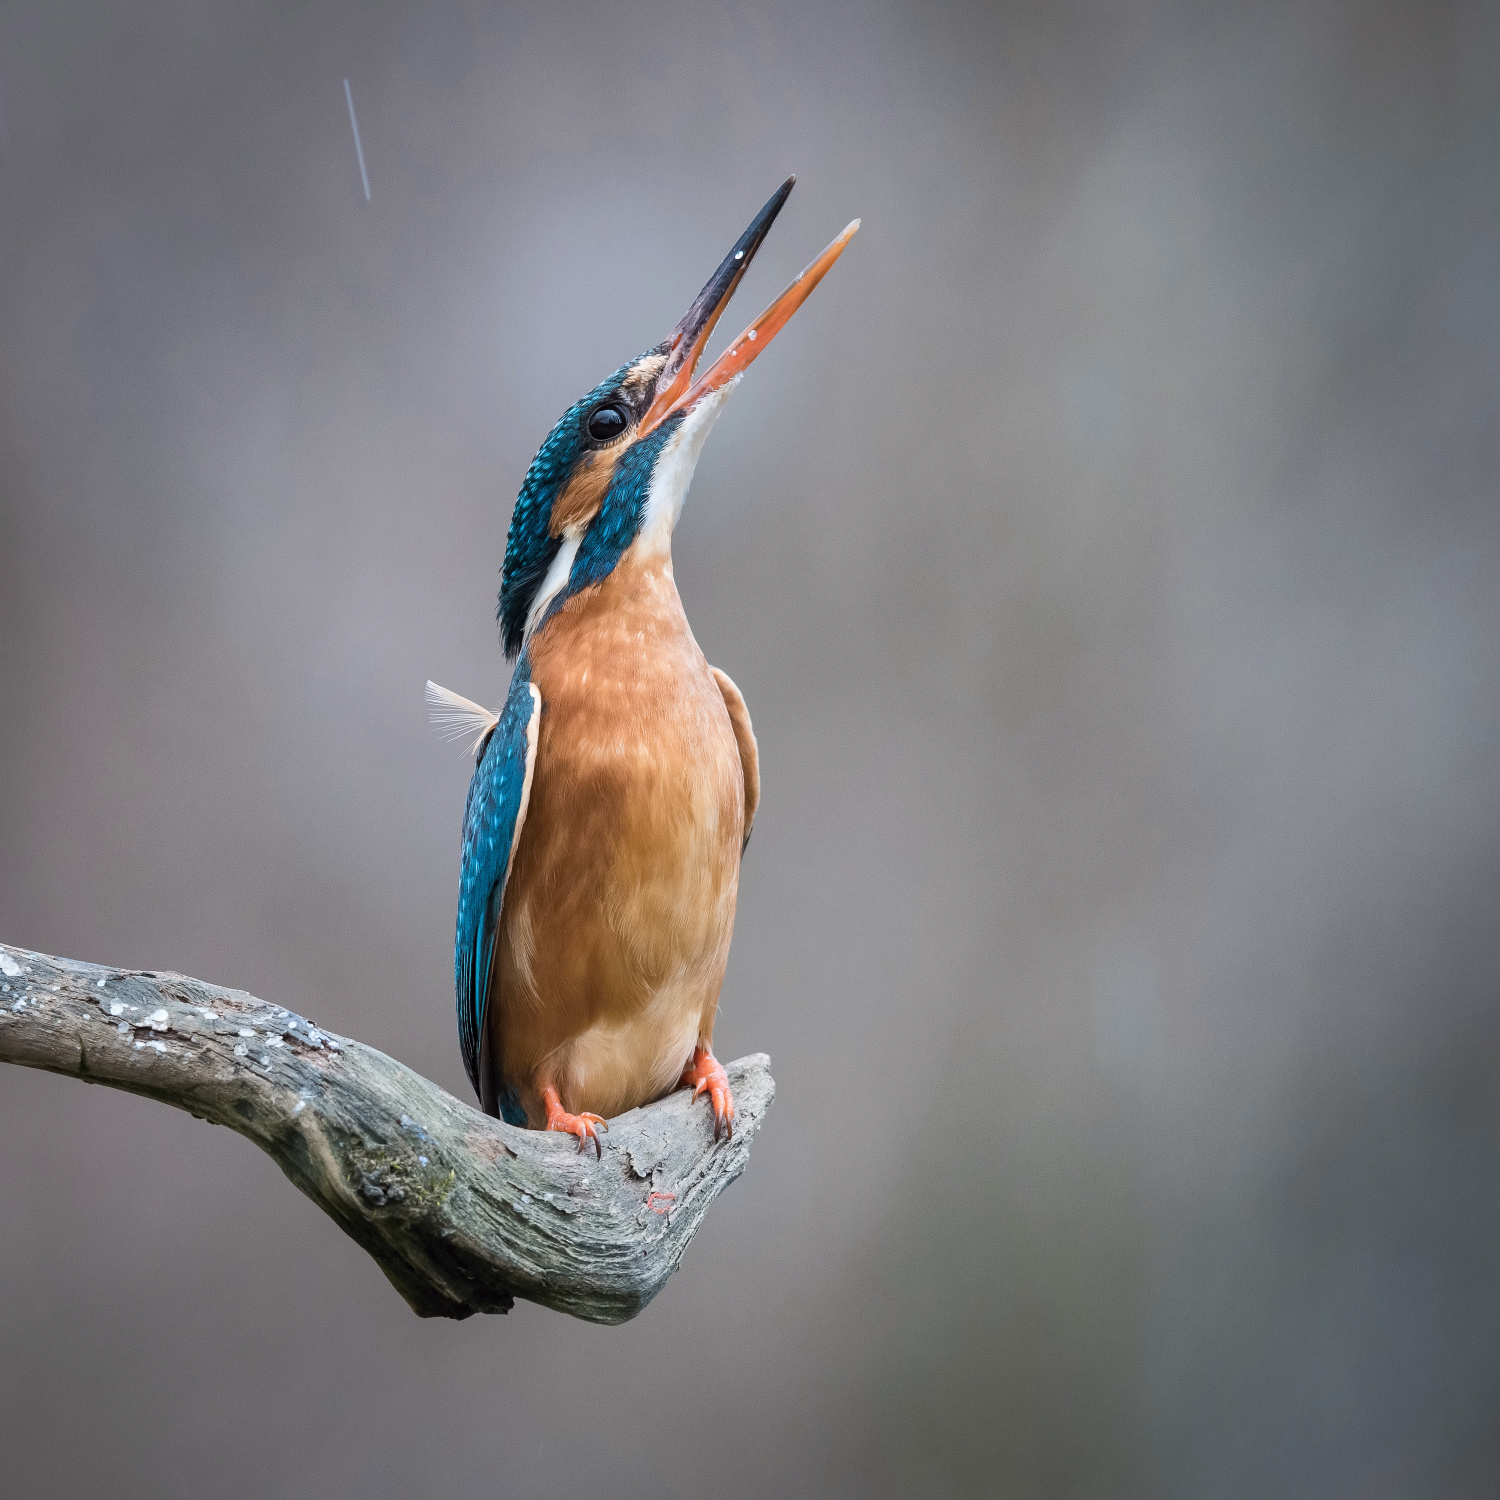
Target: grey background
(1108,554)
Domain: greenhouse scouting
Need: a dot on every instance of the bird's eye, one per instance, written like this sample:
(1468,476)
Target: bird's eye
(606,423)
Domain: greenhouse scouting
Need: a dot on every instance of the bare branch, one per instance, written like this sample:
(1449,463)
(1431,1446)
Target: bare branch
(463,1213)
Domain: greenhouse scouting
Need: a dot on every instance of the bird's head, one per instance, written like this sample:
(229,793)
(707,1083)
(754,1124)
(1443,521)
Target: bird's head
(617,466)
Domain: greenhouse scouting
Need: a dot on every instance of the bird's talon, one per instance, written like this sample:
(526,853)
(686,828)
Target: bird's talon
(585,1126)
(707,1076)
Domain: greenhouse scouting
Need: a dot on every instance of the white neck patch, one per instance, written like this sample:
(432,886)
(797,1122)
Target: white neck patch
(674,472)
(556,578)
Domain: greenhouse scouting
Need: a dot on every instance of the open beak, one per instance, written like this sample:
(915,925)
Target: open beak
(676,389)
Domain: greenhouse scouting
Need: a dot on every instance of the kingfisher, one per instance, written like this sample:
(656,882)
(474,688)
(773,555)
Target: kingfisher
(614,793)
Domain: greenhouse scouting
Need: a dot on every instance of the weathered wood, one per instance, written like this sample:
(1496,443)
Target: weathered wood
(462,1212)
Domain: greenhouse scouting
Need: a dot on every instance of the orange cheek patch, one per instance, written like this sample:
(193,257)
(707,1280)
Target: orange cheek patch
(580,501)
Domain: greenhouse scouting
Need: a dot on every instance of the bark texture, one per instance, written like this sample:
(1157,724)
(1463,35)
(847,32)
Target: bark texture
(462,1212)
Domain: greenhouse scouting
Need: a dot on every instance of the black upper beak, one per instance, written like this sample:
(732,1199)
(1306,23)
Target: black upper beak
(686,342)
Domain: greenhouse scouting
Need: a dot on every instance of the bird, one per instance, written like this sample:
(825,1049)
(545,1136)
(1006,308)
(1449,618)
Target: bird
(614,792)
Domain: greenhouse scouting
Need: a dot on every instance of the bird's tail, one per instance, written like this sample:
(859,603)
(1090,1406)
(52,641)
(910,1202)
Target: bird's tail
(457,718)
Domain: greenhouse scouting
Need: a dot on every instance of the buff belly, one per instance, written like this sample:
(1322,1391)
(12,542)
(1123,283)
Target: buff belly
(619,910)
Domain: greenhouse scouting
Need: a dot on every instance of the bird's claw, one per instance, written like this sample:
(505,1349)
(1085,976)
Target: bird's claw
(705,1073)
(585,1126)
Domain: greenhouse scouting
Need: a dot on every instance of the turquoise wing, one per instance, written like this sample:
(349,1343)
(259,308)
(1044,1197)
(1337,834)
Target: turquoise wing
(493,817)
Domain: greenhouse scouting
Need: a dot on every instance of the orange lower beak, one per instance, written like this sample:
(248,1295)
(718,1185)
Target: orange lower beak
(737,358)
(676,389)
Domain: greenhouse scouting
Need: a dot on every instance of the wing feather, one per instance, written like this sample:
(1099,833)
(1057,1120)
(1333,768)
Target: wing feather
(493,817)
(744,737)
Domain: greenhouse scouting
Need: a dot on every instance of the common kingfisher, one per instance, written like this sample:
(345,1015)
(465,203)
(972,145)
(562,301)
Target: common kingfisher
(614,793)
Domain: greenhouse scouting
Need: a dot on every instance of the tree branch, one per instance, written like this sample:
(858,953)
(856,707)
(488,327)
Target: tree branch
(463,1213)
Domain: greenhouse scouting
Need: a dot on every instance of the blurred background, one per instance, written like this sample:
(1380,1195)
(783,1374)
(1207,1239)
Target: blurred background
(1108,554)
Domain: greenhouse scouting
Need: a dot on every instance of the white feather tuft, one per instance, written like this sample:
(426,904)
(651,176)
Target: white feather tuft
(457,718)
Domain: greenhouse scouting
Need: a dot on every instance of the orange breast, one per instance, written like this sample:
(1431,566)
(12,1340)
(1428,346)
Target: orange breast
(620,906)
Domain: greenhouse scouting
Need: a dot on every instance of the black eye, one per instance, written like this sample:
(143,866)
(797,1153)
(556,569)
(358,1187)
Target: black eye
(606,423)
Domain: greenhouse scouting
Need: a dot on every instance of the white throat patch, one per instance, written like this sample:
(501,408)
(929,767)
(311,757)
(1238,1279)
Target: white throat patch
(674,472)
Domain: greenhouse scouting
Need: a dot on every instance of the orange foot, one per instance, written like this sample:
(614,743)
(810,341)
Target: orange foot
(706,1072)
(585,1126)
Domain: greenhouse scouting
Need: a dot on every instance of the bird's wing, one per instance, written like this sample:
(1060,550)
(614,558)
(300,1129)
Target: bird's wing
(744,737)
(496,809)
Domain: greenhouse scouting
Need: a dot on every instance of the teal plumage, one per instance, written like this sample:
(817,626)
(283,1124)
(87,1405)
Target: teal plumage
(529,545)
(496,802)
